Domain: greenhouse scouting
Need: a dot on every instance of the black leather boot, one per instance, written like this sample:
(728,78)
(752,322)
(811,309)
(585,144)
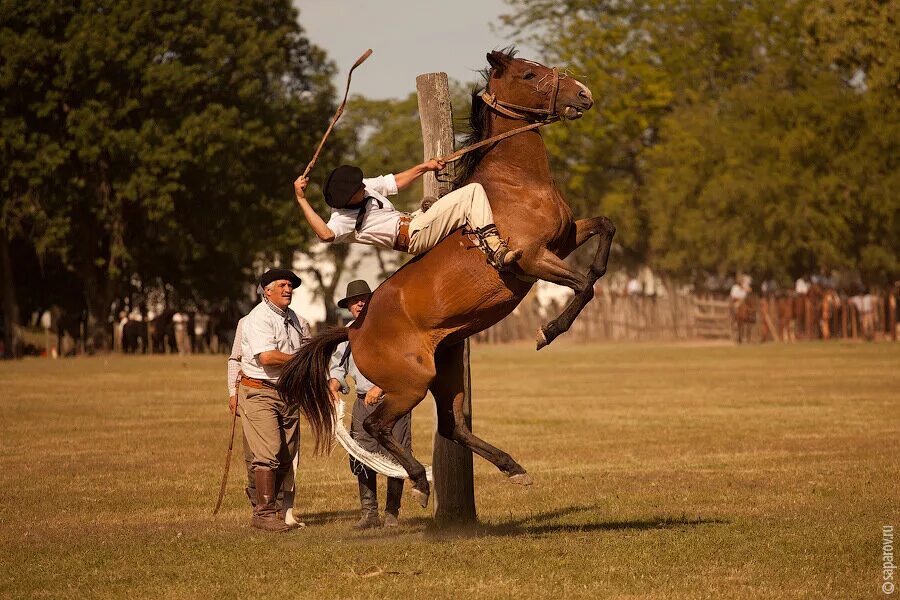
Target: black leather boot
(368,500)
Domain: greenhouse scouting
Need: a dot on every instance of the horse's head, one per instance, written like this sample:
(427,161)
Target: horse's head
(531,91)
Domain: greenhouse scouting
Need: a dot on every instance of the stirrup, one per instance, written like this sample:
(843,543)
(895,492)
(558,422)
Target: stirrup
(504,258)
(497,258)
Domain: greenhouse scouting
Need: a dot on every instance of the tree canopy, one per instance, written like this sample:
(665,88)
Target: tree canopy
(732,135)
(156,141)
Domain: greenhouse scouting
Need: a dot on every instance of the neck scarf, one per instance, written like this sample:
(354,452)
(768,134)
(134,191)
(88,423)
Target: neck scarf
(361,215)
(288,323)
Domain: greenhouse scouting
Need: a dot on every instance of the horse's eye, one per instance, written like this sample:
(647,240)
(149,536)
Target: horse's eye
(528,75)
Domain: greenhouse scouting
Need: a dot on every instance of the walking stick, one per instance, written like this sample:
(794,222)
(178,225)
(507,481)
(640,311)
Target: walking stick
(228,454)
(339,112)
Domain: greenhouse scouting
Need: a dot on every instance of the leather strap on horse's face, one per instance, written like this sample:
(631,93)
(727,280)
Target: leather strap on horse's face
(525,113)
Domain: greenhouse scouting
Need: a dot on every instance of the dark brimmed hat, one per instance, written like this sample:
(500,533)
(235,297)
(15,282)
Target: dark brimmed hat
(276,274)
(341,184)
(355,288)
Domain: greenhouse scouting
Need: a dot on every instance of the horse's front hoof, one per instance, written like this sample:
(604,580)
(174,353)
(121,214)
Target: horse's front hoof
(421,497)
(541,339)
(521,479)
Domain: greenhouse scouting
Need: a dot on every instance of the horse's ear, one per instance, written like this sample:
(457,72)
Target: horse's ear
(498,61)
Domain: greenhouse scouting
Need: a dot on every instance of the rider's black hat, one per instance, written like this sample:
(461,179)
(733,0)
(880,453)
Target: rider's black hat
(341,184)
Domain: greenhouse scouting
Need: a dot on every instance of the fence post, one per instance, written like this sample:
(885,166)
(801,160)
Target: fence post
(892,314)
(454,485)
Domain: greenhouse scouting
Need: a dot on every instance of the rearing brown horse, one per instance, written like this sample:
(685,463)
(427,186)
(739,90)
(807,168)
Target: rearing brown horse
(409,339)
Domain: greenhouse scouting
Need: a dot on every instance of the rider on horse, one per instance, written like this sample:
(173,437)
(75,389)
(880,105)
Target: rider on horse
(362,213)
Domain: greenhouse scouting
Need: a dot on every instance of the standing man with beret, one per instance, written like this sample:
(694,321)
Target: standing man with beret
(271,334)
(368,395)
(285,494)
(362,213)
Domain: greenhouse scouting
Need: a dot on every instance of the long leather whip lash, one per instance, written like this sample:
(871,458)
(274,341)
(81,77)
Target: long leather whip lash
(337,115)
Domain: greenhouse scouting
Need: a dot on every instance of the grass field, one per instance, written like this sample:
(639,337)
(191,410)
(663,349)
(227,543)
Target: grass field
(660,472)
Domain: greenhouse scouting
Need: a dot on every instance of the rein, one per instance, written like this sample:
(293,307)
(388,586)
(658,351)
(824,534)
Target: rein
(522,113)
(459,153)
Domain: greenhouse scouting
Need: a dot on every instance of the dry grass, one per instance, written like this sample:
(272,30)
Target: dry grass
(661,472)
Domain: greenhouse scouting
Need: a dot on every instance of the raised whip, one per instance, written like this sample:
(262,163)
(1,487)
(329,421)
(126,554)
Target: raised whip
(339,112)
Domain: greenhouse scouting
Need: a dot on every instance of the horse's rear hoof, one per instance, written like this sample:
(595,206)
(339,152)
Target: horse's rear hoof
(421,497)
(521,479)
(541,339)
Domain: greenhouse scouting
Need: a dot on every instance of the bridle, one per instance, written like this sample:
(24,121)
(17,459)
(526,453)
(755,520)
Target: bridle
(525,113)
(537,117)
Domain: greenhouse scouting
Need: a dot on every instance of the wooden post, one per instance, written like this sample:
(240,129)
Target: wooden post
(892,314)
(454,485)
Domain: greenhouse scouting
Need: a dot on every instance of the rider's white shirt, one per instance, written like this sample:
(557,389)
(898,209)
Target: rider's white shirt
(379,228)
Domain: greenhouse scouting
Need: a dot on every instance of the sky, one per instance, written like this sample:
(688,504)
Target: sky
(407,38)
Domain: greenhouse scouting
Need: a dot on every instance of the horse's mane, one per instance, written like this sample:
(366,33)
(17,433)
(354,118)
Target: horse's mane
(478,121)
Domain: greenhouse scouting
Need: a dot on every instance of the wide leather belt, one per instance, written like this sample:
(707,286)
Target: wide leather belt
(402,242)
(257,383)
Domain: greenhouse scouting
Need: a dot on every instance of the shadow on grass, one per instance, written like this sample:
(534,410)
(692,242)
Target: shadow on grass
(543,524)
(320,518)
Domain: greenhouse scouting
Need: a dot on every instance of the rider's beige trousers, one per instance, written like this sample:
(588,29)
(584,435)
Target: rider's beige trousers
(467,206)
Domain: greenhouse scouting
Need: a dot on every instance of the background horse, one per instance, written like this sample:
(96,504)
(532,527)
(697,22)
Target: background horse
(409,339)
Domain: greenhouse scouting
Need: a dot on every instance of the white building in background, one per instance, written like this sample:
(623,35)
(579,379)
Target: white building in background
(362,263)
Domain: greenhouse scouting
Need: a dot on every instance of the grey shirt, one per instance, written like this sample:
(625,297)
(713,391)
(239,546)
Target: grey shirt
(342,365)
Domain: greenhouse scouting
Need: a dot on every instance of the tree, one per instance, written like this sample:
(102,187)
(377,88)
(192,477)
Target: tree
(175,136)
(736,135)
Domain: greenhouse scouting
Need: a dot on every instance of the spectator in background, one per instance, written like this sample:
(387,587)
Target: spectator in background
(182,341)
(634,288)
(201,328)
(739,291)
(866,308)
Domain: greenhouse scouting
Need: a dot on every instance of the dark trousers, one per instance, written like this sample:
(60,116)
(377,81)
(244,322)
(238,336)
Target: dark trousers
(369,489)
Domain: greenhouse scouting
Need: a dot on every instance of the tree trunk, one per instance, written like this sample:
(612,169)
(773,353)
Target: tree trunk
(12,338)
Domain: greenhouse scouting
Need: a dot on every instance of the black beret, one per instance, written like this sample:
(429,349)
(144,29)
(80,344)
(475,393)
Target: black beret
(276,274)
(341,184)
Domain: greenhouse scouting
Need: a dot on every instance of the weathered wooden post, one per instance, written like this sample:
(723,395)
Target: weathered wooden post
(454,486)
(892,314)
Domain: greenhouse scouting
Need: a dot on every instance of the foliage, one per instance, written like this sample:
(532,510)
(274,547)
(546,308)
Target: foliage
(157,140)
(735,135)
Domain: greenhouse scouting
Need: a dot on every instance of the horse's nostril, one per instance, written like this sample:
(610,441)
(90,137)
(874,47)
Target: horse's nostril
(586,99)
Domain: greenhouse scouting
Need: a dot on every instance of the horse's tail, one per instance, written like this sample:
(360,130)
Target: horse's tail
(304,382)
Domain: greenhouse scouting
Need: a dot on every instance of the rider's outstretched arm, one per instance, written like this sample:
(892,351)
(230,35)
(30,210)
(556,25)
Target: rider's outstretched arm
(315,221)
(408,176)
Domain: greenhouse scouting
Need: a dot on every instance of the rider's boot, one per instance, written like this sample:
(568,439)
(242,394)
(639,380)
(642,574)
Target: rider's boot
(499,254)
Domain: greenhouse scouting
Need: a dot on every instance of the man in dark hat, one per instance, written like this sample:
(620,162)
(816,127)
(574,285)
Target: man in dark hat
(271,334)
(362,213)
(368,395)
(285,494)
